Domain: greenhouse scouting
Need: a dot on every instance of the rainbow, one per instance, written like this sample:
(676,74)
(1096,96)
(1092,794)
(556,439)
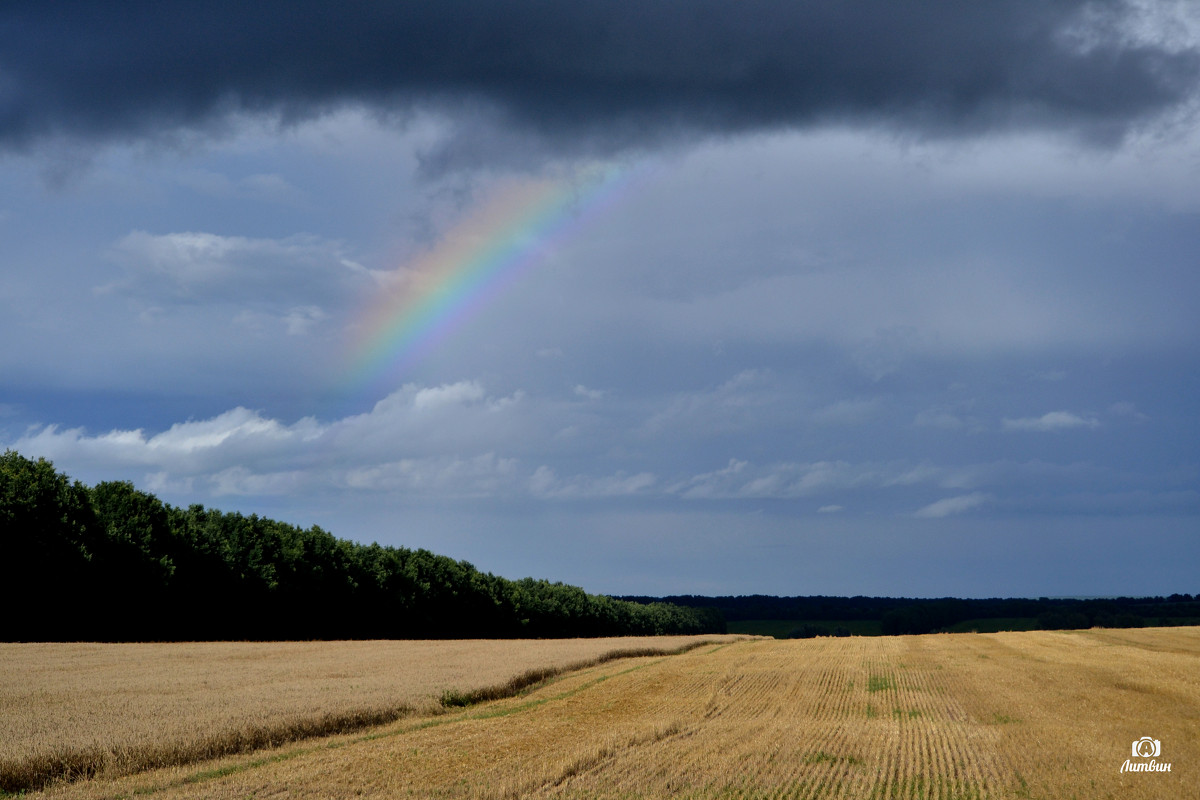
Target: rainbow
(434,295)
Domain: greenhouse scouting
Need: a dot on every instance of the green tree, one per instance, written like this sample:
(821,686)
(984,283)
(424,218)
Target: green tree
(48,537)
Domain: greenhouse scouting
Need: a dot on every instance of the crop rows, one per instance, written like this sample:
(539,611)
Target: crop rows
(1029,715)
(77,710)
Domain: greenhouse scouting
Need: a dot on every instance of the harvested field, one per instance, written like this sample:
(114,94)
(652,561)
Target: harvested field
(82,709)
(1010,715)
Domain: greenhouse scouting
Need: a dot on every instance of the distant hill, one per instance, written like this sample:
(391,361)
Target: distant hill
(110,562)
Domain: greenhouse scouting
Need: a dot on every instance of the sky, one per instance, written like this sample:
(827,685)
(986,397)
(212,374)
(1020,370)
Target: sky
(652,298)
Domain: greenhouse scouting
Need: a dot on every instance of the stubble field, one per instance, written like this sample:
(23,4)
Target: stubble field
(1016,715)
(82,709)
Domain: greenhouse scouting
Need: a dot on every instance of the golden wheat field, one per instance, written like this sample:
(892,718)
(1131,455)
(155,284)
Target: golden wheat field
(115,708)
(1016,715)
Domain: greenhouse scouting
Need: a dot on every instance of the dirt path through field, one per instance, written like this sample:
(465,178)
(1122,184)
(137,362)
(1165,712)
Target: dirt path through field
(1031,715)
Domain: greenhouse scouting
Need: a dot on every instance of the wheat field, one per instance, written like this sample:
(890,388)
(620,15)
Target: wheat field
(939,717)
(88,708)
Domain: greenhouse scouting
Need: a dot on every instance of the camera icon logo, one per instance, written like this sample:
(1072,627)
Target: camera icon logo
(1146,747)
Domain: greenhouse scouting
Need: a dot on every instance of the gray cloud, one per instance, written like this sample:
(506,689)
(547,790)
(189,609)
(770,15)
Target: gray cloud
(602,74)
(797,348)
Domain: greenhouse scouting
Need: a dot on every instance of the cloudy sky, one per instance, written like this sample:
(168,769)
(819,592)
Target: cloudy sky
(651,297)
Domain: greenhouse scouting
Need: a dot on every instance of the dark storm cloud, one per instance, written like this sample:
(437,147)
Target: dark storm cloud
(600,71)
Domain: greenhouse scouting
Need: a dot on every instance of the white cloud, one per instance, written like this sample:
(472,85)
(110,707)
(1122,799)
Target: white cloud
(545,483)
(241,451)
(1052,421)
(740,479)
(455,394)
(301,319)
(193,450)
(710,484)
(953,505)
(455,441)
(189,260)
(479,476)
(737,403)
(377,276)
(588,394)
(242,481)
(200,267)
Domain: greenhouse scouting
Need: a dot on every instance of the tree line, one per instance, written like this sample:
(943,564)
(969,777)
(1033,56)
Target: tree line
(904,615)
(113,563)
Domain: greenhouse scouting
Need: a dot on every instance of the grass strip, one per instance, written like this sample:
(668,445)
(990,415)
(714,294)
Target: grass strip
(453,698)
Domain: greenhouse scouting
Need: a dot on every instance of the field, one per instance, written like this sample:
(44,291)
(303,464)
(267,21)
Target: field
(116,708)
(1006,715)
